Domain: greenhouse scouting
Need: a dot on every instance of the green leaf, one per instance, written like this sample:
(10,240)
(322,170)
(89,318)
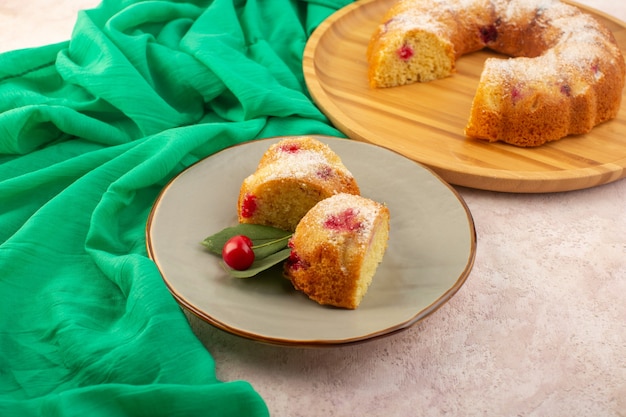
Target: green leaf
(261,236)
(260,265)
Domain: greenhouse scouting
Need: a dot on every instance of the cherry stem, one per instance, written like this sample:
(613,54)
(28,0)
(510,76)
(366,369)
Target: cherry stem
(271,242)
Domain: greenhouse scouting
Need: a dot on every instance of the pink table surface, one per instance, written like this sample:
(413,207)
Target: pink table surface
(538,329)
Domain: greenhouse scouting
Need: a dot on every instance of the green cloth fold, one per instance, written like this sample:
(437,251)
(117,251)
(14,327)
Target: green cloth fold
(90,131)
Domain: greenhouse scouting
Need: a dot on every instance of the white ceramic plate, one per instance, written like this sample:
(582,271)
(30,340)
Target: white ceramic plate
(431,250)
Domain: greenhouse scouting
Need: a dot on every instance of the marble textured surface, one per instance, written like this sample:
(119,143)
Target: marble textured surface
(539,328)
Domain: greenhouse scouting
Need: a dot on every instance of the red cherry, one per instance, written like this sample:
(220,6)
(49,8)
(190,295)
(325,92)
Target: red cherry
(249,206)
(488,34)
(237,252)
(290,147)
(346,221)
(405,52)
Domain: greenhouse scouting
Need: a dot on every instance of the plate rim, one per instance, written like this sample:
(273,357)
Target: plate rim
(279,341)
(491,179)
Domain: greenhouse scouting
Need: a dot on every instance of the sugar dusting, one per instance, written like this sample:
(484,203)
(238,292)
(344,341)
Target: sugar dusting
(415,18)
(578,47)
(577,31)
(301,165)
(349,213)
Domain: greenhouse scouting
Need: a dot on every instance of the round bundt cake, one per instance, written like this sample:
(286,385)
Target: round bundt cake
(336,249)
(565,77)
(291,177)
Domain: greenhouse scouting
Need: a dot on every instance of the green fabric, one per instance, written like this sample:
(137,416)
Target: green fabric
(90,131)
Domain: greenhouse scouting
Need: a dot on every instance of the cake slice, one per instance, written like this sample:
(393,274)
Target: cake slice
(336,249)
(293,175)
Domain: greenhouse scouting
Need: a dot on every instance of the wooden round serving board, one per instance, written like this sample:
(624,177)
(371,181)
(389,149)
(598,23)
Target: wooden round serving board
(425,121)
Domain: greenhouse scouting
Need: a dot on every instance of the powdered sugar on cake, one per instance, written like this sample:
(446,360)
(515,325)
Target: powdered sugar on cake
(342,216)
(301,164)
